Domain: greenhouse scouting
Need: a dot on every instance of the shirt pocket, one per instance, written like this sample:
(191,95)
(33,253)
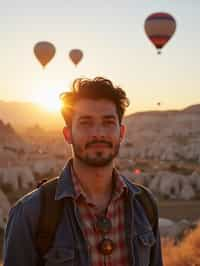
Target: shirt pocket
(60,257)
(143,243)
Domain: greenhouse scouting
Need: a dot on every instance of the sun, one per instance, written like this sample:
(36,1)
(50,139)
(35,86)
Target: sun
(48,100)
(51,104)
(46,94)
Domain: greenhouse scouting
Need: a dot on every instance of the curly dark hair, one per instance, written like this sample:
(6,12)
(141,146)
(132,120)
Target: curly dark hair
(97,88)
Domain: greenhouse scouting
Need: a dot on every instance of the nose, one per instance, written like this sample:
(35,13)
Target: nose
(98,131)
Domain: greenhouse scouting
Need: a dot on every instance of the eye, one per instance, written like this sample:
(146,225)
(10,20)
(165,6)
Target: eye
(109,122)
(85,122)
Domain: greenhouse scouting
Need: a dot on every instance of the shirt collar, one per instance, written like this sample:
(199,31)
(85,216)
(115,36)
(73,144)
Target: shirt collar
(65,187)
(77,186)
(120,186)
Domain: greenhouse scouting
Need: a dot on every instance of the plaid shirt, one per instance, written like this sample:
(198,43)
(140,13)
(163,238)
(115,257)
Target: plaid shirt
(115,212)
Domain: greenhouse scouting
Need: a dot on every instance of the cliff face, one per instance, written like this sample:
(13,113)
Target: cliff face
(162,135)
(187,120)
(167,135)
(8,136)
(12,146)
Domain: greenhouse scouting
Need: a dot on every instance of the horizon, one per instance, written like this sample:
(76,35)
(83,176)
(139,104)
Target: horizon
(128,112)
(51,122)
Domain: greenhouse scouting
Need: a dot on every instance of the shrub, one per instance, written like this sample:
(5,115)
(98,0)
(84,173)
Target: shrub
(186,253)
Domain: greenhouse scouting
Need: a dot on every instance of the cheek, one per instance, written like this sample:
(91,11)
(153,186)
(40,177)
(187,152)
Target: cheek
(76,133)
(116,135)
(78,138)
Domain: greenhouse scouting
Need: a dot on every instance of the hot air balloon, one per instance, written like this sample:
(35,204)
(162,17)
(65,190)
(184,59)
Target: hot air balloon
(44,52)
(137,171)
(159,28)
(76,55)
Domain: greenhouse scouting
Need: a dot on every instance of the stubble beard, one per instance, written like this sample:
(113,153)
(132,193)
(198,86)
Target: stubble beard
(98,160)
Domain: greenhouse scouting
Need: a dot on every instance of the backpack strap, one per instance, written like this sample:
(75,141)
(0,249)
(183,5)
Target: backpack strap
(148,202)
(50,216)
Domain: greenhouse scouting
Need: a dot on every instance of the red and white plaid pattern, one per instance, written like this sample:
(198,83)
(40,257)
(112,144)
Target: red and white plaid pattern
(115,212)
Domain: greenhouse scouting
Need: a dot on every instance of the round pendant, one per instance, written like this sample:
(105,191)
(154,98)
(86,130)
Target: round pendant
(106,246)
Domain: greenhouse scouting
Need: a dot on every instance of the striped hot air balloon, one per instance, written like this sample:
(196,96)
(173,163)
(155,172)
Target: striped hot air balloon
(159,28)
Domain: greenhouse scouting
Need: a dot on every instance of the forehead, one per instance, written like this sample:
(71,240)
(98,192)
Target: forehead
(94,108)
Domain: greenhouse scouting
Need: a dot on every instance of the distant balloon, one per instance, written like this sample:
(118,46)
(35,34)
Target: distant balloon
(76,55)
(159,28)
(44,52)
(137,171)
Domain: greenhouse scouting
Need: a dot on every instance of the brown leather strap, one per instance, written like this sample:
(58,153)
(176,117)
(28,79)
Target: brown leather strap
(149,204)
(50,216)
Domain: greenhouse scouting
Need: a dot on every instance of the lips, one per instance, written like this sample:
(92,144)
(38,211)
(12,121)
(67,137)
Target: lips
(99,145)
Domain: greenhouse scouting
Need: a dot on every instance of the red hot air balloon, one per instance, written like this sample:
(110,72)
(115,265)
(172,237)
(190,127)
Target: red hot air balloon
(137,171)
(159,28)
(44,52)
(76,55)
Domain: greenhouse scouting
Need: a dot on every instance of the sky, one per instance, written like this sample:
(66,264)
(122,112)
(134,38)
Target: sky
(111,35)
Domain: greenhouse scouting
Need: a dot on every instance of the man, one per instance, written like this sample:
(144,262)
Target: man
(103,222)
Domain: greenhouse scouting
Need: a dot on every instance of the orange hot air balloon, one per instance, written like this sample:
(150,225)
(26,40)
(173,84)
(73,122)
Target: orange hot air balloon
(76,55)
(159,28)
(44,52)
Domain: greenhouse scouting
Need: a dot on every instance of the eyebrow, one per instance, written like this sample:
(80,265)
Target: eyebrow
(87,117)
(109,117)
(84,117)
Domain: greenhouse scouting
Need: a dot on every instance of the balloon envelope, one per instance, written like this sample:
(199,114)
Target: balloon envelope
(159,28)
(137,171)
(44,52)
(76,55)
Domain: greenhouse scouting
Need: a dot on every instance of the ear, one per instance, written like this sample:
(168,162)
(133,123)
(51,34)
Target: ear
(67,134)
(122,132)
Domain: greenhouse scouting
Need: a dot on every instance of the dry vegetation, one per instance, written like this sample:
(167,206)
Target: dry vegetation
(186,253)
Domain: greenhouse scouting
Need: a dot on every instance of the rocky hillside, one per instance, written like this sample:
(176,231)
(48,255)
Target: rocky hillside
(12,145)
(161,151)
(8,135)
(167,135)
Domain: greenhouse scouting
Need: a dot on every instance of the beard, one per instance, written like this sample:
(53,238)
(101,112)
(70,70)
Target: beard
(97,160)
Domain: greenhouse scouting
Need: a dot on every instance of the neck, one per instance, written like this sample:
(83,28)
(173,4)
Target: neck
(96,182)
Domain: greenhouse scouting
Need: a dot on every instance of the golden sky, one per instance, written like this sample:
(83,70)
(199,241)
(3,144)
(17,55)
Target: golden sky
(111,35)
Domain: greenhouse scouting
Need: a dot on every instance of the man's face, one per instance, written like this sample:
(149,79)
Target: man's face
(95,133)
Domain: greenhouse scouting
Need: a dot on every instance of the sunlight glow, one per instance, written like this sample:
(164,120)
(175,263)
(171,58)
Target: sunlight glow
(47,94)
(51,104)
(48,99)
